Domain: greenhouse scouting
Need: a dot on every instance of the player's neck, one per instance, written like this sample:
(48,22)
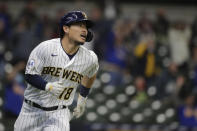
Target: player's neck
(69,48)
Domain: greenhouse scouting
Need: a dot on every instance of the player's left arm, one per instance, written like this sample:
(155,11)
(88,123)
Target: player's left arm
(87,82)
(90,76)
(85,86)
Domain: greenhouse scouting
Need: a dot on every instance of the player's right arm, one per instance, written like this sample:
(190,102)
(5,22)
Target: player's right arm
(33,72)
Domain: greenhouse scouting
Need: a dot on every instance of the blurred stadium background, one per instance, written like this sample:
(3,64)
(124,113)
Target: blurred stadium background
(147,53)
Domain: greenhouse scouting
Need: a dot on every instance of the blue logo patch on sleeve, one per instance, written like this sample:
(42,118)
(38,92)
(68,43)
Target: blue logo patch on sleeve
(30,64)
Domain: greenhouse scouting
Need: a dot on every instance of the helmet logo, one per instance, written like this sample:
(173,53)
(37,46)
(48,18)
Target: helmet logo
(73,18)
(84,15)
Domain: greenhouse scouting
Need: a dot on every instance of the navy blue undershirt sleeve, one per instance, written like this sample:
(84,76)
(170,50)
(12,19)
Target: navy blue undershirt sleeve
(36,81)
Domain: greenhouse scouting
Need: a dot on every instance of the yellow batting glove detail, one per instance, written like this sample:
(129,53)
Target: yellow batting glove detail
(50,87)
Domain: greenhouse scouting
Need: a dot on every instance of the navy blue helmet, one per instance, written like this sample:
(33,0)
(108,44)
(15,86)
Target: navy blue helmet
(73,17)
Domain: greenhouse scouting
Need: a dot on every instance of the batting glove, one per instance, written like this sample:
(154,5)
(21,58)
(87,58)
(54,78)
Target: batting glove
(56,88)
(80,109)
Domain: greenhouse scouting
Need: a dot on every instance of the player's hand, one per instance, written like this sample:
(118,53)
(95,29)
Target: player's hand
(56,88)
(80,109)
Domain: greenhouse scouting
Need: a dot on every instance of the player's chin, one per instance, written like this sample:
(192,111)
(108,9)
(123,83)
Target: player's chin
(82,40)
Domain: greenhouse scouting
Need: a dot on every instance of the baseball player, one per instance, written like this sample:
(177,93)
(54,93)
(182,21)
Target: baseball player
(55,69)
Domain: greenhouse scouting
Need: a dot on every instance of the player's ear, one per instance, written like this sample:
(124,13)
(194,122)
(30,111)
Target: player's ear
(66,28)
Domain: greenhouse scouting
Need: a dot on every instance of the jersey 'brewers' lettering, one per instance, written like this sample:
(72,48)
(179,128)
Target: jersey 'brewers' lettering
(67,74)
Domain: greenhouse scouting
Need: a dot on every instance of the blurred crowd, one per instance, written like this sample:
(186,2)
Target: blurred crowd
(146,52)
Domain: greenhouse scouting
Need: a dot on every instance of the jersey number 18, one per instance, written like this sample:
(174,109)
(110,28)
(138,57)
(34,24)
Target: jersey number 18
(66,93)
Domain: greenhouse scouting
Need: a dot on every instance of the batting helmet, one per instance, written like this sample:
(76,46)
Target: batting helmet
(73,17)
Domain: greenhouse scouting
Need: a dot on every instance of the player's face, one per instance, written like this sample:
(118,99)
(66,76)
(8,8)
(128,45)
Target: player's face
(78,32)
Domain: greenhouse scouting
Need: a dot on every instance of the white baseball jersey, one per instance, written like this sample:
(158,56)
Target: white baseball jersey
(50,61)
